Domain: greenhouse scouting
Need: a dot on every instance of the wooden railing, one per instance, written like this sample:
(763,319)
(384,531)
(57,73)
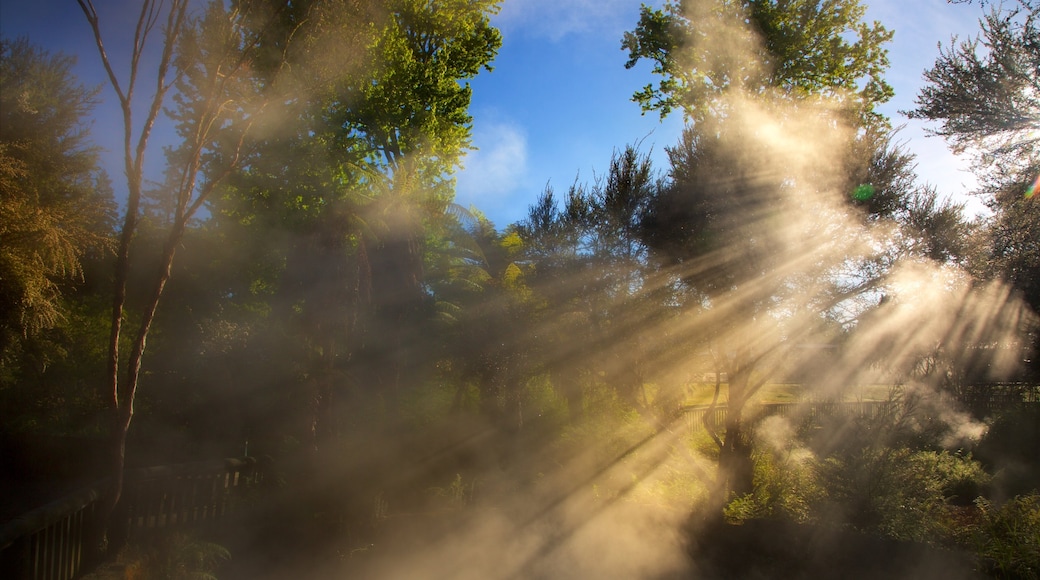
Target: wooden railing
(61,540)
(813,411)
(175,495)
(57,541)
(808,411)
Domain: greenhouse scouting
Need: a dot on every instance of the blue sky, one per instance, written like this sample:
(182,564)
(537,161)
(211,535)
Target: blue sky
(558,101)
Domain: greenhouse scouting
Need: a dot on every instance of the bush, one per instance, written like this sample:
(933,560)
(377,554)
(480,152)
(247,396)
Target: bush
(1008,538)
(900,493)
(174,556)
(785,487)
(1010,448)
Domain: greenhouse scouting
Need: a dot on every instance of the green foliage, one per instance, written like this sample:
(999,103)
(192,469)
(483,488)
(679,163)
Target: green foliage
(1008,537)
(173,556)
(963,477)
(984,94)
(350,182)
(55,203)
(56,212)
(49,383)
(880,174)
(457,494)
(429,404)
(1009,451)
(784,487)
(802,48)
(593,273)
(545,407)
(415,100)
(937,227)
(613,425)
(900,493)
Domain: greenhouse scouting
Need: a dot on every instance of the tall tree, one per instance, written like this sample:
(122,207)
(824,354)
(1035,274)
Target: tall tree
(590,265)
(801,48)
(985,96)
(414,114)
(489,314)
(374,138)
(558,243)
(209,59)
(765,85)
(55,202)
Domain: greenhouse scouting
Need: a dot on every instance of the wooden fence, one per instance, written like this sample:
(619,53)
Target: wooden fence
(804,411)
(813,411)
(61,540)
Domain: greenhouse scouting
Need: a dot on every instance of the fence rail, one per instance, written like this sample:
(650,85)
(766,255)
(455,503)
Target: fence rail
(813,411)
(159,497)
(809,411)
(61,540)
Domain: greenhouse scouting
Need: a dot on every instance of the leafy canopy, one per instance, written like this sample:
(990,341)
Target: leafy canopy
(985,96)
(797,47)
(55,204)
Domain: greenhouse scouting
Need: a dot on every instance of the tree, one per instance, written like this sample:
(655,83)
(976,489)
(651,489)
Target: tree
(489,317)
(988,99)
(55,203)
(624,298)
(209,60)
(372,138)
(984,94)
(802,48)
(558,244)
(590,265)
(414,114)
(781,97)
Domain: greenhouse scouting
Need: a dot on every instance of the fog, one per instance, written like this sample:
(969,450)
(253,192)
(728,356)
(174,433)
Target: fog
(509,500)
(760,377)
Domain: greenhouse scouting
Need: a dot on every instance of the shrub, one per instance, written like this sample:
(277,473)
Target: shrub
(900,493)
(784,487)
(1008,538)
(785,482)
(174,556)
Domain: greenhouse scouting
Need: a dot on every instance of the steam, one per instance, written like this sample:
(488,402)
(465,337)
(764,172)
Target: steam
(914,325)
(929,312)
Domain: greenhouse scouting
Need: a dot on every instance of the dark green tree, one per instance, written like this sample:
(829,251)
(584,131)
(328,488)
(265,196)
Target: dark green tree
(558,242)
(55,203)
(491,319)
(209,59)
(755,79)
(984,95)
(590,265)
(411,117)
(357,210)
(802,48)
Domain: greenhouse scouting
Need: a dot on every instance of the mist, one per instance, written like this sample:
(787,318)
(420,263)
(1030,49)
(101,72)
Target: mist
(754,362)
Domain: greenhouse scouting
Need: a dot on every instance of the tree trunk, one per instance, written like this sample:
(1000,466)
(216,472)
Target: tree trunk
(736,469)
(570,387)
(115,520)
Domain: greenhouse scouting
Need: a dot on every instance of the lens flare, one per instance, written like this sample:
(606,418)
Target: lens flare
(863,192)
(1032,188)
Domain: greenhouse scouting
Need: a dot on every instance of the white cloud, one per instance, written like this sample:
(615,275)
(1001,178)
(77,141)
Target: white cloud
(497,169)
(556,19)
